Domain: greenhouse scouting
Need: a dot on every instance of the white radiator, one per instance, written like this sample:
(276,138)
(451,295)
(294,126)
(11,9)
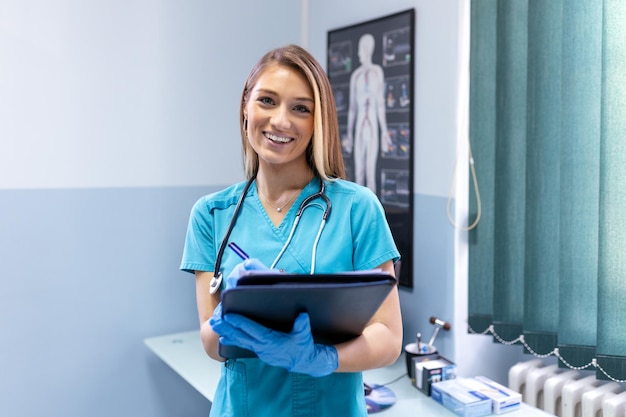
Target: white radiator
(614,405)
(535,381)
(518,374)
(566,393)
(591,404)
(552,390)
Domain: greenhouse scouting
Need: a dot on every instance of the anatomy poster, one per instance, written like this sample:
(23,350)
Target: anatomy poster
(371,67)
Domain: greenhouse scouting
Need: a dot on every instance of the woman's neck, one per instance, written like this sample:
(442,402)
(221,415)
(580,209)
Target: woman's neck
(275,183)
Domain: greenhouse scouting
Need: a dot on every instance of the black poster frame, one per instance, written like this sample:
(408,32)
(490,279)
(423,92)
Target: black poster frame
(371,69)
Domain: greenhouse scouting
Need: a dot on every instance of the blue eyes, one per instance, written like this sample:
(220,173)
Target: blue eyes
(300,108)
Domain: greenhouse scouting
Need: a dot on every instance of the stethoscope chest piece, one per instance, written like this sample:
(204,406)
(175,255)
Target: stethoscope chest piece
(216,283)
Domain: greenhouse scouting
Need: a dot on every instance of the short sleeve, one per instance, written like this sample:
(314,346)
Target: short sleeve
(199,251)
(373,242)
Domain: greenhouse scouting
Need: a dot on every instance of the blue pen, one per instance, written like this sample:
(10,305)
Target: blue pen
(238,251)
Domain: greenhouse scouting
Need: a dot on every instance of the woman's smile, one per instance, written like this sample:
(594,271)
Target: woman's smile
(277,138)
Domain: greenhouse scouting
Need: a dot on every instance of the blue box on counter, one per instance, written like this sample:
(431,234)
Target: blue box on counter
(461,399)
(503,399)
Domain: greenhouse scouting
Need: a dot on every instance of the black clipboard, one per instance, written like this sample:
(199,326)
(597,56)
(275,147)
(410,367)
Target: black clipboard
(339,305)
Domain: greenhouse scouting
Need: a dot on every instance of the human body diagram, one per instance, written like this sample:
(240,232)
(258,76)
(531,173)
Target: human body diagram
(367,131)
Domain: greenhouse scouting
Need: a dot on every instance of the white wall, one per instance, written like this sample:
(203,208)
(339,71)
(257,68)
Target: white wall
(128,92)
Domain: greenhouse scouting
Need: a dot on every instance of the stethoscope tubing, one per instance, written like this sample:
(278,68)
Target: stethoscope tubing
(216,281)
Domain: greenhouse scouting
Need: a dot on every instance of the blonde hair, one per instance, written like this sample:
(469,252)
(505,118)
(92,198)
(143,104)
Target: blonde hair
(324,152)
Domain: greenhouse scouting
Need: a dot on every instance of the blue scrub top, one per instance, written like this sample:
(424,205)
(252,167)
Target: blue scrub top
(355,237)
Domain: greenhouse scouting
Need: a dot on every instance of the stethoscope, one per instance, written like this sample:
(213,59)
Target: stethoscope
(216,281)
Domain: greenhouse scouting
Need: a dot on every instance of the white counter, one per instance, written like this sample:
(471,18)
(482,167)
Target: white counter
(183,352)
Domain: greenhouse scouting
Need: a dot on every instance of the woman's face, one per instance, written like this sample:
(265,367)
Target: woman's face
(280,112)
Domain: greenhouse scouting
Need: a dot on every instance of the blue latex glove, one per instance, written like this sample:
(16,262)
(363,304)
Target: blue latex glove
(294,351)
(251,264)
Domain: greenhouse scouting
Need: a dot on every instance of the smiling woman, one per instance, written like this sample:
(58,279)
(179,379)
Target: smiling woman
(293,161)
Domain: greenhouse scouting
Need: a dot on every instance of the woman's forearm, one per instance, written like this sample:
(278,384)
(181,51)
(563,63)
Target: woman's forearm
(210,341)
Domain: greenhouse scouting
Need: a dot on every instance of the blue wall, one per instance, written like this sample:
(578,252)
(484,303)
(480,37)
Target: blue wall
(433,289)
(87,275)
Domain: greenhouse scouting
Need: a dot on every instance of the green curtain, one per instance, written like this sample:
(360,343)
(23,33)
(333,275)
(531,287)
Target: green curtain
(580,188)
(611,339)
(541,241)
(547,262)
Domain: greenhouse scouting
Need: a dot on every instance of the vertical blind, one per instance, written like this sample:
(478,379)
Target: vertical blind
(547,261)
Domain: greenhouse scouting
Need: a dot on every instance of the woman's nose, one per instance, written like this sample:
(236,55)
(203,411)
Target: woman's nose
(280,119)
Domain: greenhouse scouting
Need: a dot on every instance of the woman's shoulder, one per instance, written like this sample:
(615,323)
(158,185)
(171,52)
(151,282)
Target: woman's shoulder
(340,186)
(221,199)
(352,196)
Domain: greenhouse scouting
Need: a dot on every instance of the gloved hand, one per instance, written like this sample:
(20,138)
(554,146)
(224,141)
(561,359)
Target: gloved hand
(294,351)
(251,264)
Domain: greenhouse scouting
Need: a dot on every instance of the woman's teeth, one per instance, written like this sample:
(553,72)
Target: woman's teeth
(279,139)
